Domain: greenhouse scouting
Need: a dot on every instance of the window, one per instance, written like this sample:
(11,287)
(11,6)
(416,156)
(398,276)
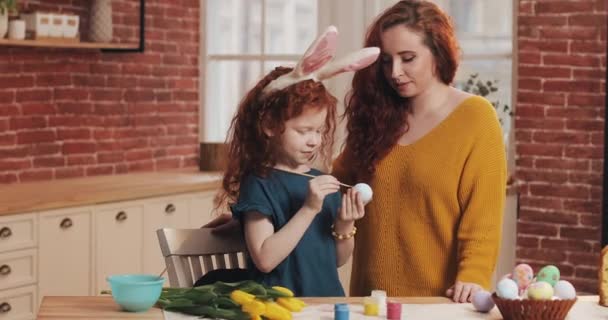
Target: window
(243,40)
(484,32)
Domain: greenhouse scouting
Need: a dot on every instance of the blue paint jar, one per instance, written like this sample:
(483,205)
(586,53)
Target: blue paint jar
(341,311)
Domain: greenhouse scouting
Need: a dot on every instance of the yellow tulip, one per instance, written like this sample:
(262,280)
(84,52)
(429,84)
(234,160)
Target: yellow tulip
(284,290)
(254,307)
(291,304)
(241,297)
(275,312)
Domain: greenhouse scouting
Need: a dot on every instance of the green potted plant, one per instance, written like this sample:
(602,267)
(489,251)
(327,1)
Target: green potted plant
(6,7)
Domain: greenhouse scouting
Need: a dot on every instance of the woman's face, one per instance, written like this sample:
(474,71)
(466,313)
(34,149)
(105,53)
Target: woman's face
(408,64)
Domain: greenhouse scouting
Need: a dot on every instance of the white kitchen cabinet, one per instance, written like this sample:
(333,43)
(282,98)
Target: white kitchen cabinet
(18,304)
(65,252)
(64,237)
(201,208)
(171,212)
(118,241)
(18,232)
(18,268)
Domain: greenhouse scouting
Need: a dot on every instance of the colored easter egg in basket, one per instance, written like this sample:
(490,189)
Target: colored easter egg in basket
(564,290)
(482,301)
(540,291)
(365,192)
(507,289)
(522,275)
(548,274)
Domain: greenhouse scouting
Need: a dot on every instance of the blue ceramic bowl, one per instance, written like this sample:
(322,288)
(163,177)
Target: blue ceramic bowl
(136,292)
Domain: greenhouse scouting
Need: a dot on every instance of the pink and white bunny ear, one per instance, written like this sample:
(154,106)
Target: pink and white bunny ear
(316,56)
(319,53)
(315,63)
(352,62)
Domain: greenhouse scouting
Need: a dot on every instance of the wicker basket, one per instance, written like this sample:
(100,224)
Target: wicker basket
(533,309)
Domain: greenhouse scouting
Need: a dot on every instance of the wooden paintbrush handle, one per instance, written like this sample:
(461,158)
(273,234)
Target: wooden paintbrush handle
(312,176)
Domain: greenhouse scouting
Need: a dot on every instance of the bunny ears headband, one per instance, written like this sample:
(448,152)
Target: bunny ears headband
(317,64)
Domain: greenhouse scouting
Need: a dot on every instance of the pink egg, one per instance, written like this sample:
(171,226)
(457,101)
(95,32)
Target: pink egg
(522,275)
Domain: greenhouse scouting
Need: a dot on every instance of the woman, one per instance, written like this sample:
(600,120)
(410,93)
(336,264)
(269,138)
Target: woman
(434,157)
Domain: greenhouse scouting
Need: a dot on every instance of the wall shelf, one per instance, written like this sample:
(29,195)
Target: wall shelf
(105,47)
(66,44)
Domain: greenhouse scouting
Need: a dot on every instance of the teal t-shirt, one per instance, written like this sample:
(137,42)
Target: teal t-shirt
(310,270)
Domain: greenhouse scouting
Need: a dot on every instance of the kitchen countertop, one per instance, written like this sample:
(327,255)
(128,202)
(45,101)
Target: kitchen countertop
(56,194)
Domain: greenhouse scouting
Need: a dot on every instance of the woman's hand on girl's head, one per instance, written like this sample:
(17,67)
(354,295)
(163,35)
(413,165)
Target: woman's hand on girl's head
(352,207)
(462,291)
(318,188)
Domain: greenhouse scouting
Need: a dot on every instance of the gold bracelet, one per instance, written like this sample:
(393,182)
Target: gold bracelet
(343,236)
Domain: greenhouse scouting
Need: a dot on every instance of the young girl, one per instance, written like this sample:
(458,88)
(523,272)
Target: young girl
(298,229)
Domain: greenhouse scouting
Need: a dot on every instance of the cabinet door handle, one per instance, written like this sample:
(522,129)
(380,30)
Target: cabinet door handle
(66,223)
(5,307)
(121,216)
(6,232)
(5,270)
(170,208)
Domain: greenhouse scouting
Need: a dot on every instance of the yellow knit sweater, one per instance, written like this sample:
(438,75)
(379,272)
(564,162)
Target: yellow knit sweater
(436,215)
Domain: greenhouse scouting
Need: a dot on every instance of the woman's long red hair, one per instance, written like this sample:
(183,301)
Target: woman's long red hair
(250,149)
(376,114)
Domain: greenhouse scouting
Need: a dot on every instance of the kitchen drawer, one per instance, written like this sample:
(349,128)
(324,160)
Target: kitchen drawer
(18,304)
(118,241)
(65,252)
(18,268)
(18,232)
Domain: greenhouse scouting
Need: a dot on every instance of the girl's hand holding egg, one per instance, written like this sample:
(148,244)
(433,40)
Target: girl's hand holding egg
(352,207)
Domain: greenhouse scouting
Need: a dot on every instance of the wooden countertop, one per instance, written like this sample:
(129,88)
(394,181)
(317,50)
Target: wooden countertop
(103,307)
(63,193)
(55,194)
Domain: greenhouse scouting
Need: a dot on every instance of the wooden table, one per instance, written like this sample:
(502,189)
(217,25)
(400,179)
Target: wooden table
(103,307)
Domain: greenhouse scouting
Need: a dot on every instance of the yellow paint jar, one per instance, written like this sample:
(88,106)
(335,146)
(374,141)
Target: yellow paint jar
(370,306)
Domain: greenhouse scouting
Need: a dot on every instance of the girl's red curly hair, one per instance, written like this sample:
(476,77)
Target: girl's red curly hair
(376,114)
(250,149)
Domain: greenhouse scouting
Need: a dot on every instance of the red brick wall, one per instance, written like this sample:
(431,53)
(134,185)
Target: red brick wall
(559,128)
(73,112)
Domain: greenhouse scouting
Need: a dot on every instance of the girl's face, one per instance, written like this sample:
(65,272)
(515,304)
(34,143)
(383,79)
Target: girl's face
(302,137)
(408,64)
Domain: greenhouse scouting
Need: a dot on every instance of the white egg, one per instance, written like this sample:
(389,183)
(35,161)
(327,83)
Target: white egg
(365,192)
(482,301)
(564,290)
(507,289)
